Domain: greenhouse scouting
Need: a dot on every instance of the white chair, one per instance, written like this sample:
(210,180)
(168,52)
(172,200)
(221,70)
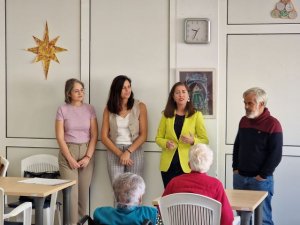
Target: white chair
(3,166)
(3,169)
(37,164)
(189,209)
(43,163)
(237,220)
(25,209)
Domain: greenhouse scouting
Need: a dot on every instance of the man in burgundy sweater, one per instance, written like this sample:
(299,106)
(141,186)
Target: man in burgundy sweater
(198,182)
(257,150)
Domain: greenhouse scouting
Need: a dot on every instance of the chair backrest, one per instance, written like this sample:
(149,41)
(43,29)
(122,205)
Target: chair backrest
(3,166)
(189,209)
(39,163)
(42,163)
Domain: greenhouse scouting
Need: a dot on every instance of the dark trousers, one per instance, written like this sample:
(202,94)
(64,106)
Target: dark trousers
(173,171)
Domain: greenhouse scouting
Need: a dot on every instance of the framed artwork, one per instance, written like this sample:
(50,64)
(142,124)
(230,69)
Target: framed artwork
(201,83)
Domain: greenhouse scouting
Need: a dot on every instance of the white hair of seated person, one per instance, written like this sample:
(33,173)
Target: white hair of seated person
(200,158)
(129,189)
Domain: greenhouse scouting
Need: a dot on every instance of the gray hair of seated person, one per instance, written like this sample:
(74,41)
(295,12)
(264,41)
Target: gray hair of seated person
(200,158)
(261,95)
(129,188)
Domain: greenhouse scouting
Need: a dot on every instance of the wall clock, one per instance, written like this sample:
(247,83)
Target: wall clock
(197,31)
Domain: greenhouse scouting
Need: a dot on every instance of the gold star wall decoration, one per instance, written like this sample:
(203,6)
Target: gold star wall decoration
(46,50)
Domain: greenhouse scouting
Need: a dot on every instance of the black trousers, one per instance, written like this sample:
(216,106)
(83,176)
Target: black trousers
(173,171)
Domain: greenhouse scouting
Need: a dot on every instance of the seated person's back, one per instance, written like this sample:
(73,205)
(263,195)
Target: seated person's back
(128,189)
(198,182)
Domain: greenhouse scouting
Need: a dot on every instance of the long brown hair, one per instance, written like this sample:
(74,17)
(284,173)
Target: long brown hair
(114,98)
(171,105)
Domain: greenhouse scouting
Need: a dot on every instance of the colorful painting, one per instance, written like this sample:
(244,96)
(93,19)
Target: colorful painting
(201,89)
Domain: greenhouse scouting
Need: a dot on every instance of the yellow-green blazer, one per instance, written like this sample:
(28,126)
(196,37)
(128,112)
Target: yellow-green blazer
(192,125)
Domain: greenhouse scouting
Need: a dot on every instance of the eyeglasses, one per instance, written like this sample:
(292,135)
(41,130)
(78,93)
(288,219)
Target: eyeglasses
(78,91)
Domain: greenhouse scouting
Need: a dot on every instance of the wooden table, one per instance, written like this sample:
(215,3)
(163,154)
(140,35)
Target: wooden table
(246,200)
(12,187)
(243,200)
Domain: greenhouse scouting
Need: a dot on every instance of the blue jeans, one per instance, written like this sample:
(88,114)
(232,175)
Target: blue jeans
(250,183)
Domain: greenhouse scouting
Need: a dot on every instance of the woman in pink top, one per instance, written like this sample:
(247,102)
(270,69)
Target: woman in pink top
(76,133)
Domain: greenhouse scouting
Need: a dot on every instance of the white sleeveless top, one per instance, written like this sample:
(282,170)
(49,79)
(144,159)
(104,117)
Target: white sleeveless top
(123,132)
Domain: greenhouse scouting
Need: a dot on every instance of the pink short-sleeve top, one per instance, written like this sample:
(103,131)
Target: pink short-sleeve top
(77,122)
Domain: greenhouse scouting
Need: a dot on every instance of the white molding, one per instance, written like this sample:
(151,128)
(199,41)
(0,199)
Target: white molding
(2,78)
(85,45)
(172,42)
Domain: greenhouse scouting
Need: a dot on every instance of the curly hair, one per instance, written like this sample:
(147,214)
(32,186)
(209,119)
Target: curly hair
(200,158)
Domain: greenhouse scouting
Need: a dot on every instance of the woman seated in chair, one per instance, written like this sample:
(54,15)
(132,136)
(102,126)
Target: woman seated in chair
(128,189)
(198,182)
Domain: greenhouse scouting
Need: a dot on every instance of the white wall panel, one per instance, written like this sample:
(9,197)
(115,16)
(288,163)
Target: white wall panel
(31,100)
(131,38)
(101,189)
(269,61)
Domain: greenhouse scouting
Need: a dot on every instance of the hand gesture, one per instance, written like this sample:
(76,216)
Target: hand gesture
(170,144)
(187,139)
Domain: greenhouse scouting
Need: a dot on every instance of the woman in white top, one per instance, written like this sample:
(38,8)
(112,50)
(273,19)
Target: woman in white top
(124,129)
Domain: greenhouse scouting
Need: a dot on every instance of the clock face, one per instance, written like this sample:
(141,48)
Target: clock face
(197,31)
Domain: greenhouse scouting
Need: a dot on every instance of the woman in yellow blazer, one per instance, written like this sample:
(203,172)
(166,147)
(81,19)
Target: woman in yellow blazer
(180,127)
